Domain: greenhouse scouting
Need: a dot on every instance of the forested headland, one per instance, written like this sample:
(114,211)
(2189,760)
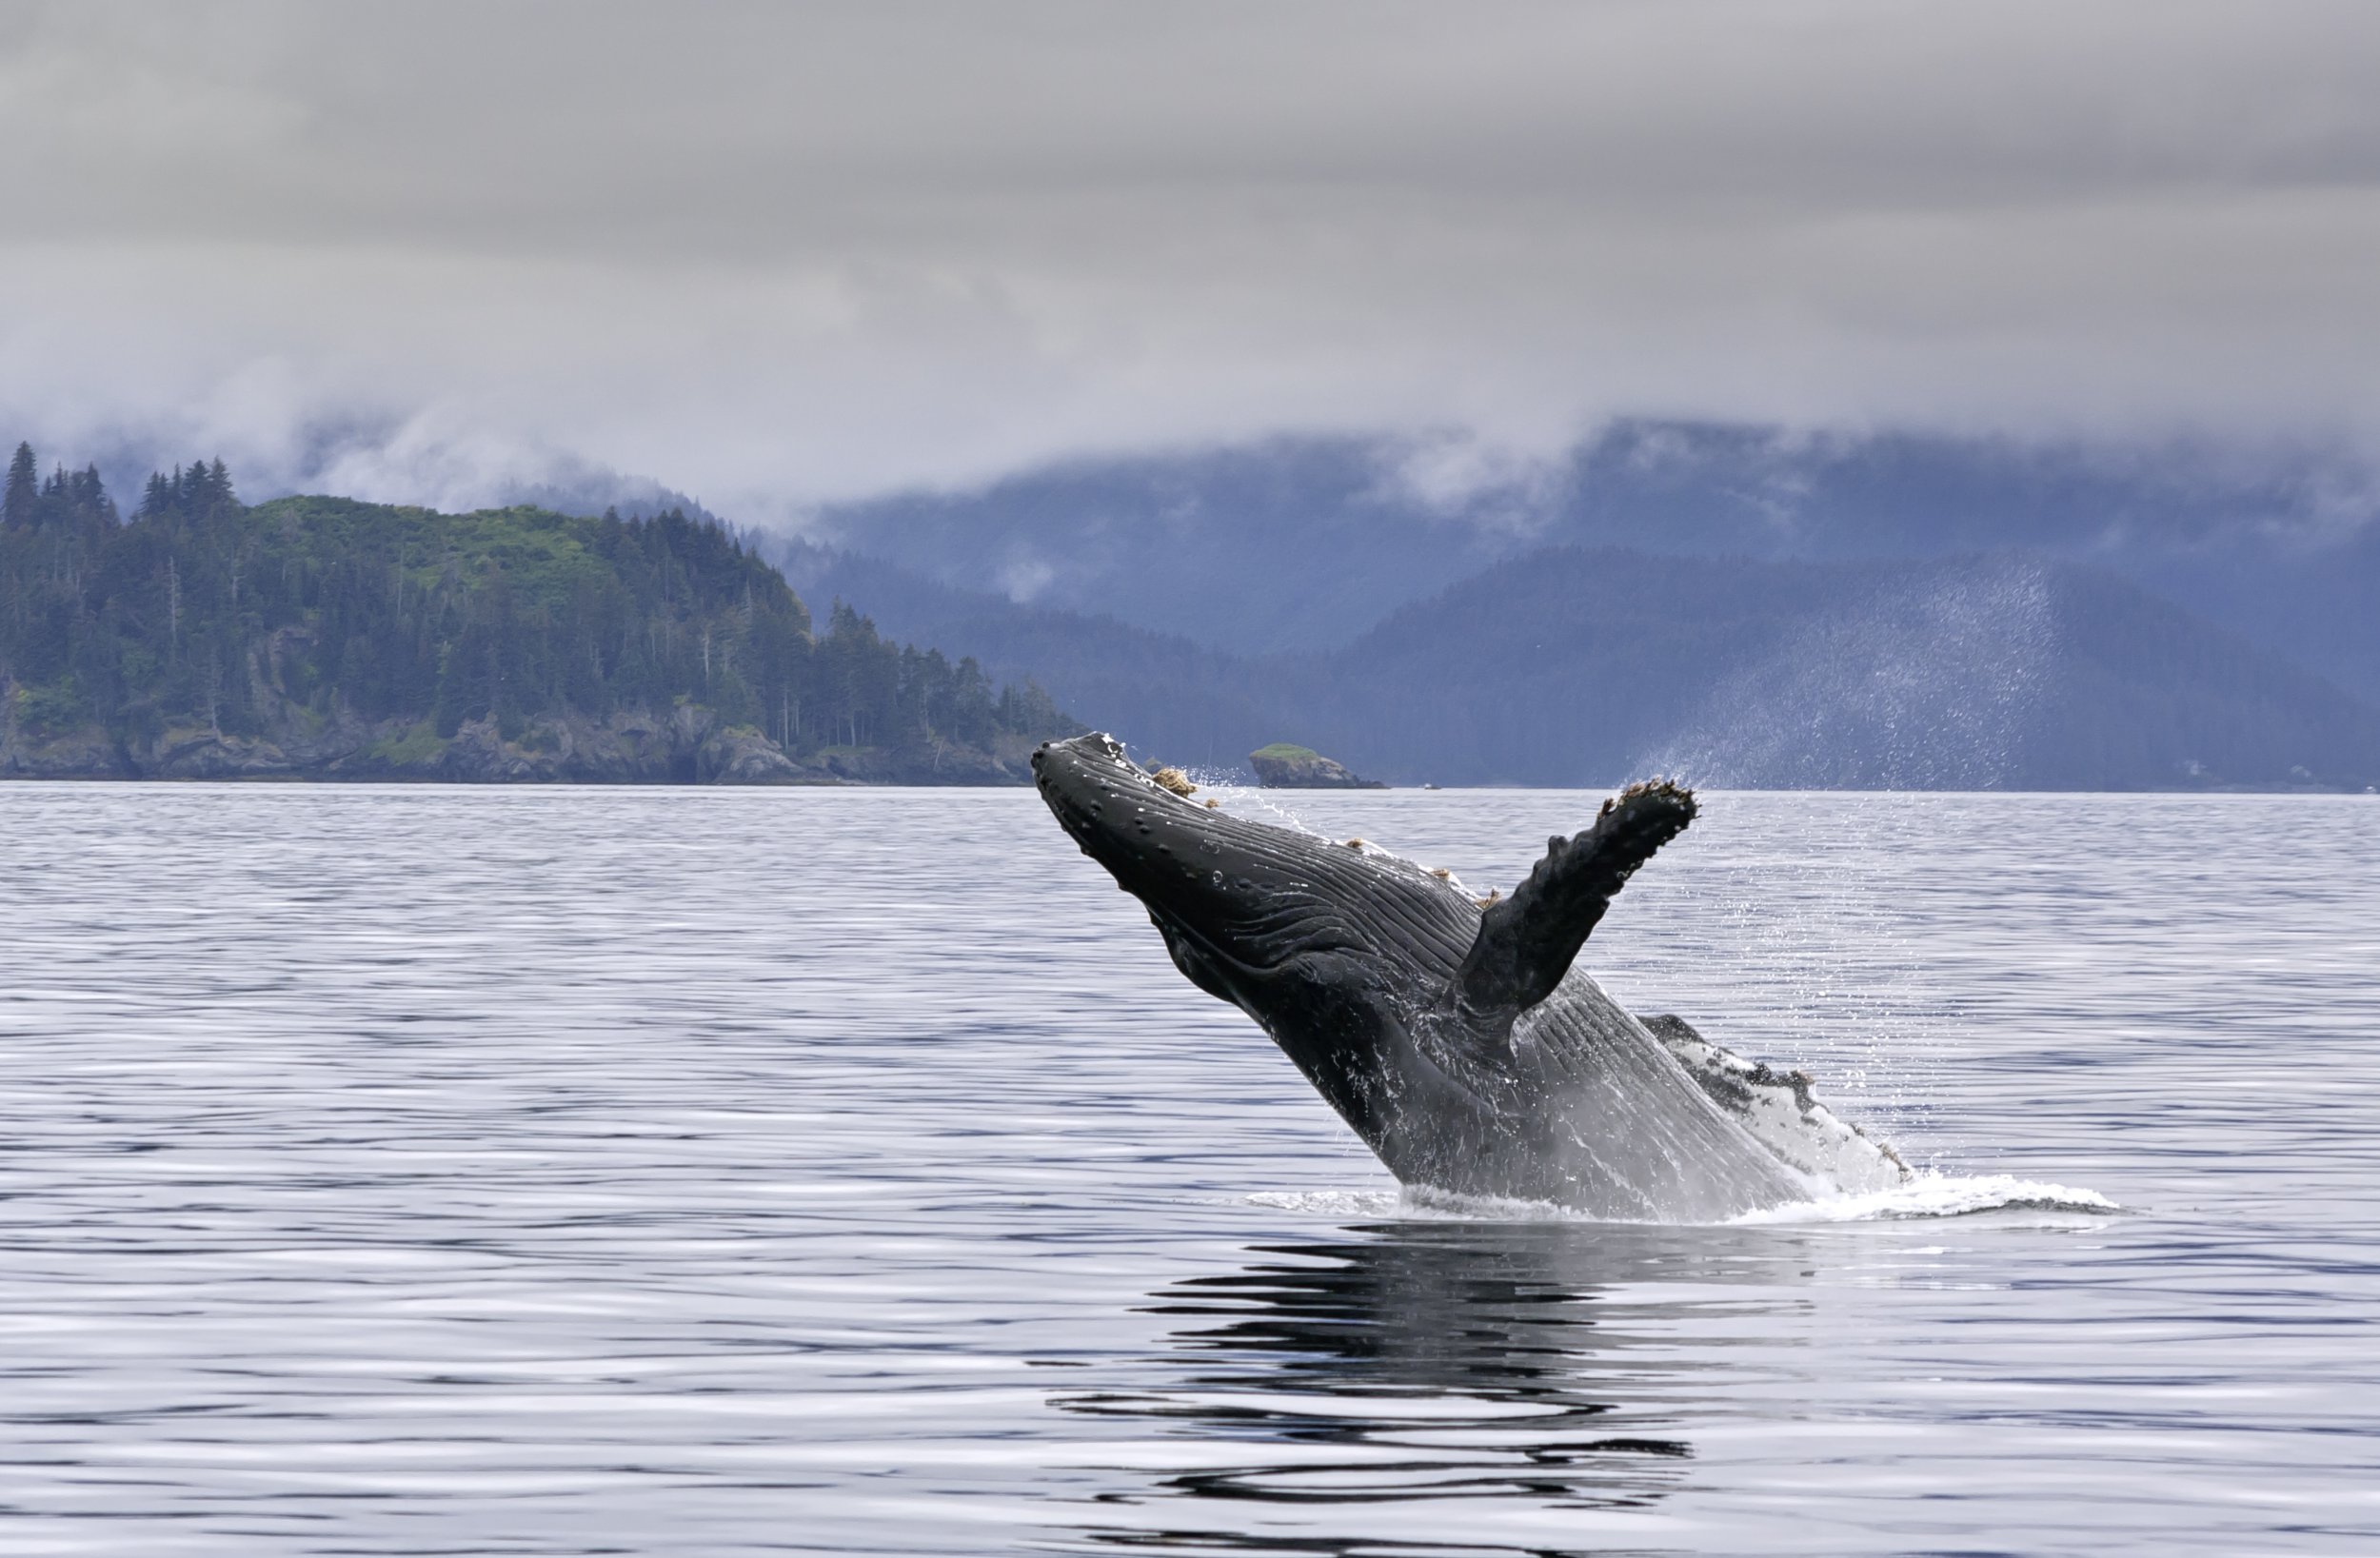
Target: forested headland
(313,637)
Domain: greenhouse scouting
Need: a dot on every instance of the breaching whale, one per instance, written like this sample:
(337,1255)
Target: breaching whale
(1458,1041)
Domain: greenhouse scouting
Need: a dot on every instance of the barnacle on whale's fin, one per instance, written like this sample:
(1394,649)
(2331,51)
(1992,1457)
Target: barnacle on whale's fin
(1526,942)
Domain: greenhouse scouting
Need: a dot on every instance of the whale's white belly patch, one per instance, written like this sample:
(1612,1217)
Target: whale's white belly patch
(1780,1115)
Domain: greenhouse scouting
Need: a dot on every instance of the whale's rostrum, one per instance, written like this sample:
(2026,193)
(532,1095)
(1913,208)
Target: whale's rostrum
(1461,1042)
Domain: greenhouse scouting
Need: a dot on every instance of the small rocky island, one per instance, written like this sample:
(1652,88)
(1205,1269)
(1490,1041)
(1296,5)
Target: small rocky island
(1281,766)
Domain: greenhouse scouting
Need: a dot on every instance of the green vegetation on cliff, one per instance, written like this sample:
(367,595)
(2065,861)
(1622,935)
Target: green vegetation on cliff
(325,634)
(1285,765)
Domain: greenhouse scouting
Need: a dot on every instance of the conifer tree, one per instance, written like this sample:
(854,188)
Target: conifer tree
(23,492)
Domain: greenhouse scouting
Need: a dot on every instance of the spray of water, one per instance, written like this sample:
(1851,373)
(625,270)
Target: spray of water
(1928,685)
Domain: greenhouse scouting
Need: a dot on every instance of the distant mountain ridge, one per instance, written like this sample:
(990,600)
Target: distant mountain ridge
(1570,665)
(1160,688)
(1300,544)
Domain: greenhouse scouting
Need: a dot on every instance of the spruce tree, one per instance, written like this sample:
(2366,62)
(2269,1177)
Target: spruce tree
(24,487)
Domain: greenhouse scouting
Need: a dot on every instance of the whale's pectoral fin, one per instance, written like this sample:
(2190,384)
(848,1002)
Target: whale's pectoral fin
(1526,942)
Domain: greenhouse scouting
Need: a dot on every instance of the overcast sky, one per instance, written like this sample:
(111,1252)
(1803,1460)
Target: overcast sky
(772,254)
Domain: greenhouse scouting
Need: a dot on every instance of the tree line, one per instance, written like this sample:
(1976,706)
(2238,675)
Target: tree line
(201,610)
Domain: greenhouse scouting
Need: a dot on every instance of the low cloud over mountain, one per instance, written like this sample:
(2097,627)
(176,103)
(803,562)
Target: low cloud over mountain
(778,256)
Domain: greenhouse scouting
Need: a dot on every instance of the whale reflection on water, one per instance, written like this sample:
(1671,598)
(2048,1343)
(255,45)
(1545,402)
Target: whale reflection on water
(1423,1362)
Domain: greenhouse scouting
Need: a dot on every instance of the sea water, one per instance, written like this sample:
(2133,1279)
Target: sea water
(670,1171)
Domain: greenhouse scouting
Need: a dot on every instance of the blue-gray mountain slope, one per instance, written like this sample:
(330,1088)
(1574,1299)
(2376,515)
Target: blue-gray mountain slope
(1300,546)
(1584,666)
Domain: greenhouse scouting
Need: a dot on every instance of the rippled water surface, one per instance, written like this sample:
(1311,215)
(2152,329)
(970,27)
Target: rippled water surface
(572,1172)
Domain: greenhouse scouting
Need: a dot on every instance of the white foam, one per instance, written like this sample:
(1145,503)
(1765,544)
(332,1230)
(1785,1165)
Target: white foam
(1334,1203)
(1927,1194)
(1420,1203)
(1932,1194)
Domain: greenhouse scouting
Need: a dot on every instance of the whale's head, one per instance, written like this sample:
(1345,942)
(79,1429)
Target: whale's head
(1342,953)
(1250,911)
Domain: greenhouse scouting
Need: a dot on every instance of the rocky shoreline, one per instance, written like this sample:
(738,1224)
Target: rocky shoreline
(688,744)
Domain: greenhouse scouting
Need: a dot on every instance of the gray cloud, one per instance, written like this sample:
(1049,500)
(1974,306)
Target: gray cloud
(776,255)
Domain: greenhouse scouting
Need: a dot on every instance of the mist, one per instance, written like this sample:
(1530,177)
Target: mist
(782,257)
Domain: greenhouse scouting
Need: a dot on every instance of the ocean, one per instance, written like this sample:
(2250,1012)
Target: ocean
(446,1171)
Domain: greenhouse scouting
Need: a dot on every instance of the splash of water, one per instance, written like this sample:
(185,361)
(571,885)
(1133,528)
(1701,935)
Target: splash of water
(1928,687)
(1927,1194)
(1932,1194)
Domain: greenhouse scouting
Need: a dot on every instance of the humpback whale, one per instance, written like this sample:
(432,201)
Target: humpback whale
(1458,1039)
